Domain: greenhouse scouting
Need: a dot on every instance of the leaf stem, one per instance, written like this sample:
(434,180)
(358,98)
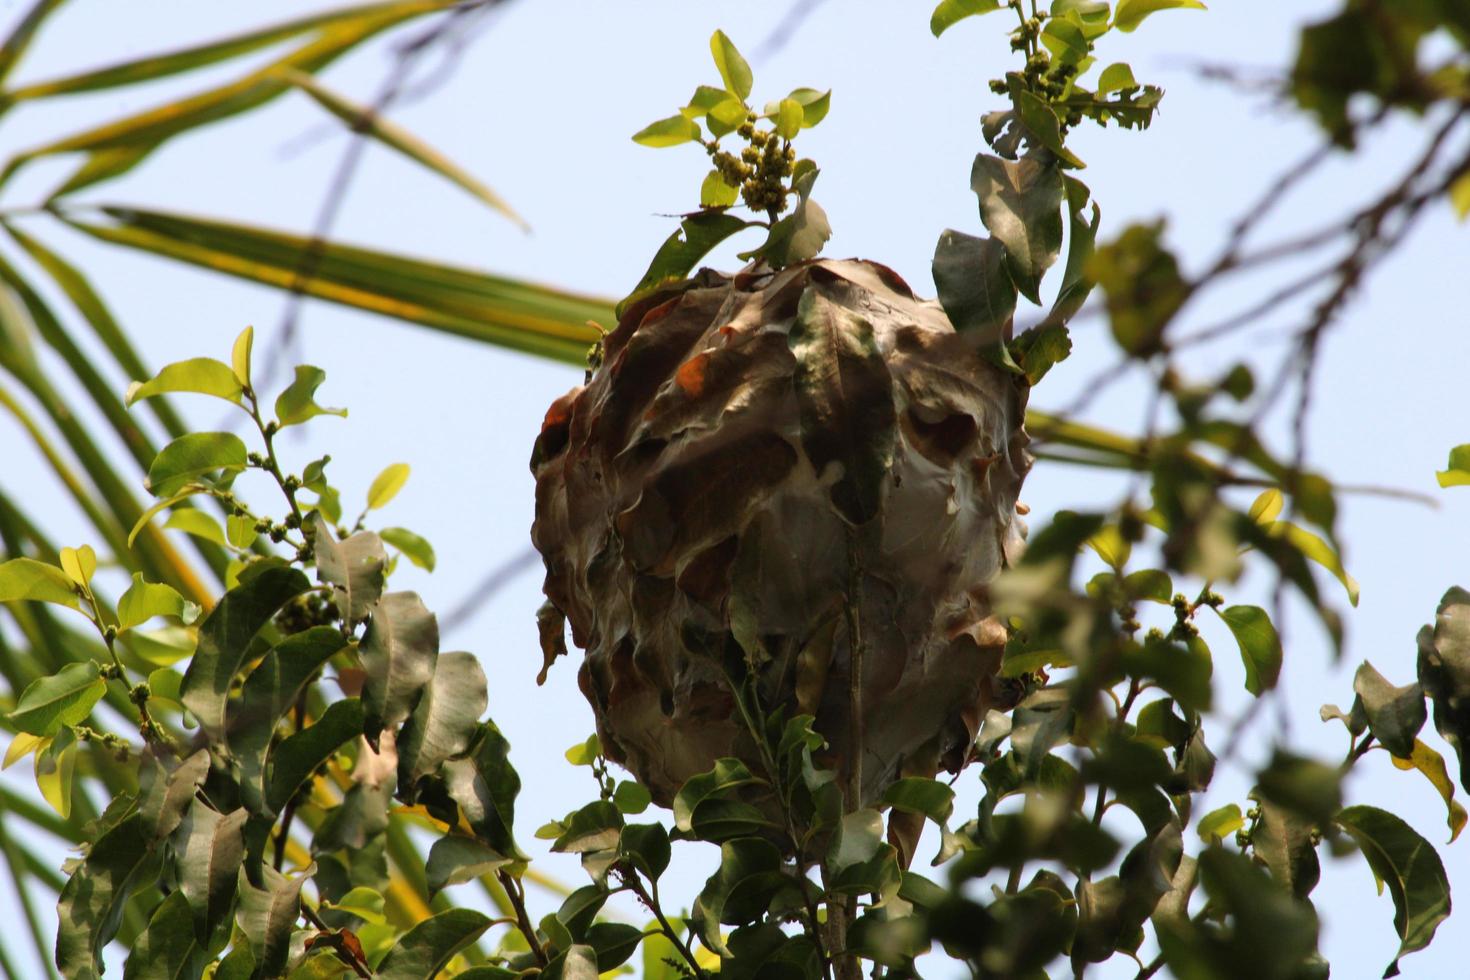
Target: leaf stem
(515,891)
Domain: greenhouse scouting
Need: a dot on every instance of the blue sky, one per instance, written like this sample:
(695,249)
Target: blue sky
(541,107)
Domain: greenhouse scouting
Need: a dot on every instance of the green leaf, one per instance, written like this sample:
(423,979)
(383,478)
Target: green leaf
(1143,286)
(1130,13)
(844,403)
(1315,549)
(365,903)
(1065,40)
(802,233)
(49,704)
(1260,646)
(445,720)
(429,946)
(1266,507)
(485,786)
(1457,472)
(726,775)
(167,949)
(197,523)
(681,252)
(1431,764)
(413,547)
(354,567)
(1284,840)
(240,356)
(915,794)
(299,755)
(951,12)
(1395,714)
(23,33)
(298,402)
(1220,824)
(715,193)
(464,302)
(79,564)
(55,767)
(631,797)
(1114,77)
(208,865)
(191,457)
(1301,785)
(91,905)
(1408,864)
(974,287)
(1042,122)
(584,753)
(1444,671)
(1459,194)
(398,654)
(1020,203)
(614,943)
(454,860)
(200,375)
(225,635)
(594,827)
(673,131)
(733,70)
(789,117)
(25,579)
(268,693)
(385,485)
(814,105)
(145,600)
(364,119)
(646,847)
(166,793)
(267,915)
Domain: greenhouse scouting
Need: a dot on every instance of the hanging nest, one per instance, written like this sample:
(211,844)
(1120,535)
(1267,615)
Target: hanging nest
(763,471)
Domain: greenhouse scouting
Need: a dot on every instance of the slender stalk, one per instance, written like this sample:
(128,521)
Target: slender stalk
(651,901)
(517,895)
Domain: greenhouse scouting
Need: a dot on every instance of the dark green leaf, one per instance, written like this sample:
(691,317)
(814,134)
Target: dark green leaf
(1408,864)
(225,635)
(915,794)
(1143,286)
(209,863)
(445,720)
(845,403)
(1283,839)
(267,915)
(485,786)
(267,694)
(1045,127)
(1304,786)
(167,949)
(1021,205)
(191,457)
(294,760)
(1260,646)
(1038,350)
(165,794)
(801,234)
(354,566)
(1219,824)
(297,403)
(726,775)
(594,827)
(974,287)
(429,946)
(398,653)
(1395,714)
(454,860)
(698,233)
(614,943)
(631,797)
(65,698)
(1444,671)
(91,905)
(646,847)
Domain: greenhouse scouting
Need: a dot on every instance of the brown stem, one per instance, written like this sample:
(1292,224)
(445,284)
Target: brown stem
(651,901)
(517,895)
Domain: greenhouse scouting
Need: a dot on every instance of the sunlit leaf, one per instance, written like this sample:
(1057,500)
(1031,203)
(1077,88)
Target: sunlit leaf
(951,12)
(385,485)
(733,68)
(28,579)
(672,131)
(192,457)
(1260,646)
(298,402)
(1431,764)
(67,697)
(1130,13)
(413,547)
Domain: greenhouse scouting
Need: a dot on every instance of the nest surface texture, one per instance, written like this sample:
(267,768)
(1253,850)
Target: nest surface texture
(763,469)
